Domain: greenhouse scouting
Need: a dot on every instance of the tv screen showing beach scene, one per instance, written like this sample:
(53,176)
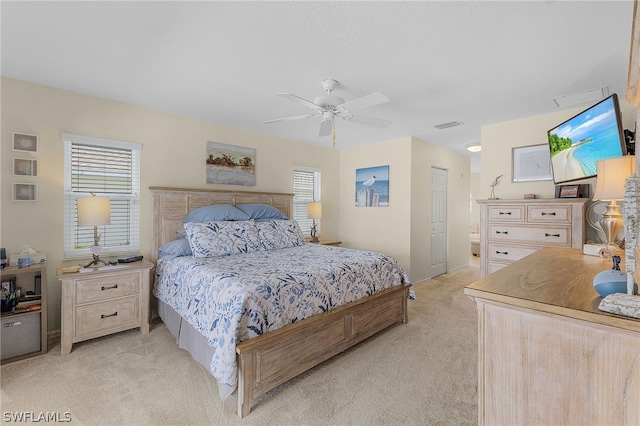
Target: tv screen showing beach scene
(578,143)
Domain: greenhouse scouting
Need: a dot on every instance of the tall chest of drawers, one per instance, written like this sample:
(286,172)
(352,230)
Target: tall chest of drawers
(513,229)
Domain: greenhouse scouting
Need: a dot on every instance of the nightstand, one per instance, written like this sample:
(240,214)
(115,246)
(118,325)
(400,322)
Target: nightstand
(330,243)
(101,301)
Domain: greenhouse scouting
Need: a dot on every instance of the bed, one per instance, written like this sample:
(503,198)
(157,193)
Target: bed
(263,342)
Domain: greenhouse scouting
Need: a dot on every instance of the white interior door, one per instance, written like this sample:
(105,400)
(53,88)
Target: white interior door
(438,221)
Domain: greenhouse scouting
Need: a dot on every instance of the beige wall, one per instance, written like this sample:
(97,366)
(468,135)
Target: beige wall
(499,139)
(476,194)
(172,155)
(403,229)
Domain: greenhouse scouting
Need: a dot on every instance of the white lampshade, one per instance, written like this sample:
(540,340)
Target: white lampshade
(314,210)
(612,175)
(94,211)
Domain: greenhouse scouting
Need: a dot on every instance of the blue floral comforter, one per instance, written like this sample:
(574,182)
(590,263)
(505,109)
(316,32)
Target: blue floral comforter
(229,299)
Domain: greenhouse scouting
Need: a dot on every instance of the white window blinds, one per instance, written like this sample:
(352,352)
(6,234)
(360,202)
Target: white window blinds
(106,168)
(306,188)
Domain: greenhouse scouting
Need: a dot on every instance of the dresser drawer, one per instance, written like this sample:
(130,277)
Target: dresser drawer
(549,214)
(97,317)
(506,213)
(104,288)
(546,235)
(506,252)
(493,267)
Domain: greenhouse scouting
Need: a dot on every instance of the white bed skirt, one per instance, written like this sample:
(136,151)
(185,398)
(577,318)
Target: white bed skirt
(193,342)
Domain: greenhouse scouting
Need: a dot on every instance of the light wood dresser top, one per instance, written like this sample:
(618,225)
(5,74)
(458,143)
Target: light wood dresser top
(554,280)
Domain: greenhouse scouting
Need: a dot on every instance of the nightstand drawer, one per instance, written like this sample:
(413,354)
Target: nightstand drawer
(102,316)
(104,288)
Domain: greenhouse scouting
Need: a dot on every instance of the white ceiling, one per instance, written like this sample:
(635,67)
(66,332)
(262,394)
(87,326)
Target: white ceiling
(476,62)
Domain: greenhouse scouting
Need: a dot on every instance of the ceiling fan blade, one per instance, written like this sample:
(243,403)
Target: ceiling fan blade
(297,117)
(365,101)
(325,128)
(298,99)
(370,121)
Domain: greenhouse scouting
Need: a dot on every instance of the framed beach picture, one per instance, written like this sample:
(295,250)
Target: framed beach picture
(23,142)
(230,164)
(372,187)
(531,163)
(25,167)
(25,192)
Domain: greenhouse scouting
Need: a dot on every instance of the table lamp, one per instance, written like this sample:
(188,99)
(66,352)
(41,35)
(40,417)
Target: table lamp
(314,211)
(94,211)
(612,174)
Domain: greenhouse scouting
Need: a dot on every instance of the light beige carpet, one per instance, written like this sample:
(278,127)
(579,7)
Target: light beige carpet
(421,373)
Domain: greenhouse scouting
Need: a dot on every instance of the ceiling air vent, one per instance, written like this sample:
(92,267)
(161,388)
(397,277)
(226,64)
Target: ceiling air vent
(447,125)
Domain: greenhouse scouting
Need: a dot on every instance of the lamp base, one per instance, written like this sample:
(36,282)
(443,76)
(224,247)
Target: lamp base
(96,260)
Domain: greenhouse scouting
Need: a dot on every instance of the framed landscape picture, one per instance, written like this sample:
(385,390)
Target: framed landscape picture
(230,164)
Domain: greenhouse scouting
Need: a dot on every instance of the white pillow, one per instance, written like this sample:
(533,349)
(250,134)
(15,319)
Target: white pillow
(222,238)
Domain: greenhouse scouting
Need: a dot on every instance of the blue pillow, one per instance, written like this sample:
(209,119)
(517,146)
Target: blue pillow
(175,248)
(261,211)
(215,212)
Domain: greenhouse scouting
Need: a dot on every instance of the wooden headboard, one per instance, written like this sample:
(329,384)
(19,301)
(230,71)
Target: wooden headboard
(171,205)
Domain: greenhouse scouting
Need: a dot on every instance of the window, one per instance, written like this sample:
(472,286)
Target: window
(106,168)
(306,188)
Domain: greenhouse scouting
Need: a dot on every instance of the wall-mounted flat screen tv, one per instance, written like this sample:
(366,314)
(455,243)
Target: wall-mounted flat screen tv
(594,134)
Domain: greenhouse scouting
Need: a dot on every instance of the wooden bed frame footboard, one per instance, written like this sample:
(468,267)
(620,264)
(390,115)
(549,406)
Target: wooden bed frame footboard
(269,360)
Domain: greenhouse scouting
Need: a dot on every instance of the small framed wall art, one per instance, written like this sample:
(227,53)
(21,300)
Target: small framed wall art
(25,167)
(24,142)
(25,192)
(531,163)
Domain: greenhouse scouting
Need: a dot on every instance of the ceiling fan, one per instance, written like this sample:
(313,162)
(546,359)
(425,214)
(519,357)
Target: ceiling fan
(331,106)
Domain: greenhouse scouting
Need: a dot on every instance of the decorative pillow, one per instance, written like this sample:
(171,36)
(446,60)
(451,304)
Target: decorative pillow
(215,212)
(277,234)
(261,211)
(175,248)
(222,238)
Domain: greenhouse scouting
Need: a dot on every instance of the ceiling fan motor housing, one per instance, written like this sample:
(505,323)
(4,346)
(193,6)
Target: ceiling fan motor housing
(330,102)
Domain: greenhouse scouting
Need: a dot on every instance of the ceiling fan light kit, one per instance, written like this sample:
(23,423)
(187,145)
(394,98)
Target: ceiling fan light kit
(330,106)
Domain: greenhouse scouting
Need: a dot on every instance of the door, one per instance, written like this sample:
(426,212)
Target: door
(438,221)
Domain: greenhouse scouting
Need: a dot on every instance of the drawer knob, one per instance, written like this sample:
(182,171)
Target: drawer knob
(115,314)
(502,252)
(551,235)
(548,214)
(509,213)
(109,288)
(502,232)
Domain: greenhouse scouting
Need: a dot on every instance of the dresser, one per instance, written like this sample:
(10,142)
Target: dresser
(513,229)
(546,354)
(101,301)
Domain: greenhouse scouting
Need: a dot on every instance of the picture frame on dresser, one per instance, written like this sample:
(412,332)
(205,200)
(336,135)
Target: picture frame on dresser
(531,163)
